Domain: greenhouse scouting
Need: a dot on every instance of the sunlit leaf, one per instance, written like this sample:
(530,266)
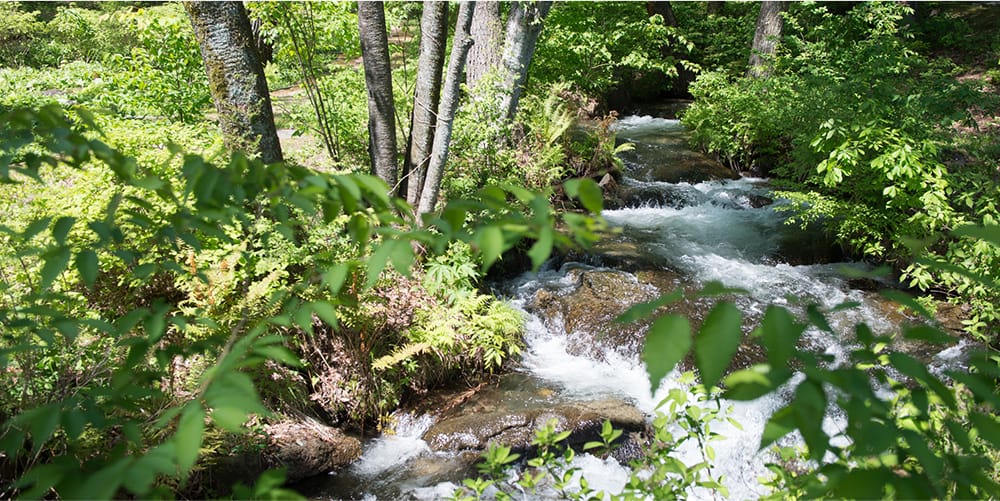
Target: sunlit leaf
(780,424)
(717,342)
(667,343)
(755,382)
(780,334)
(88,265)
(187,439)
(56,261)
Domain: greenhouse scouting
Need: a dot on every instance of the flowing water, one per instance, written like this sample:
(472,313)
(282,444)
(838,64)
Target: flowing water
(689,224)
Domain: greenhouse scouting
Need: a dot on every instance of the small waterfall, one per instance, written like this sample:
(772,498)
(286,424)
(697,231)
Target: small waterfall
(699,229)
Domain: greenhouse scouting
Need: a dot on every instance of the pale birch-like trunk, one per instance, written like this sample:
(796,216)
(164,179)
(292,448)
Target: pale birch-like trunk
(236,78)
(446,111)
(378,81)
(524,24)
(433,42)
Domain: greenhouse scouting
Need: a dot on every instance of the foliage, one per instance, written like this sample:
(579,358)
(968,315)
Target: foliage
(908,432)
(312,41)
(132,65)
(110,427)
(144,81)
(876,169)
(551,471)
(597,46)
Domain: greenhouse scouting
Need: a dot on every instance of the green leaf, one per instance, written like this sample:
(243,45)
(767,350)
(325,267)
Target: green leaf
(542,248)
(927,333)
(187,439)
(42,423)
(780,334)
(489,240)
(88,265)
(988,426)
(35,228)
(56,261)
(377,261)
(917,370)
(588,192)
(102,484)
(279,354)
(61,229)
(401,256)
(988,233)
(335,276)
(863,484)
(907,301)
(644,310)
(780,424)
(326,311)
(809,408)
(667,343)
(717,342)
(716,288)
(755,382)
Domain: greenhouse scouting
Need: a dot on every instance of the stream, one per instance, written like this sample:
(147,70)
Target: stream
(683,222)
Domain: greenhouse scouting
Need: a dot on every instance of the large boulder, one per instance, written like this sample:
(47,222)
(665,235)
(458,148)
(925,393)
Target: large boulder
(303,446)
(307,447)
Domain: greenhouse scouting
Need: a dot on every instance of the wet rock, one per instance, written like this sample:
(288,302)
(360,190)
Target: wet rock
(474,429)
(591,307)
(304,447)
(307,447)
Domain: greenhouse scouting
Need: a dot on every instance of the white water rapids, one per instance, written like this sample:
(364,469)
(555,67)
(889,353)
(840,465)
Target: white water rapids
(711,231)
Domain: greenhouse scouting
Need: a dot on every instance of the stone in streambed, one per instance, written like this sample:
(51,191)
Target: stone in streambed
(516,428)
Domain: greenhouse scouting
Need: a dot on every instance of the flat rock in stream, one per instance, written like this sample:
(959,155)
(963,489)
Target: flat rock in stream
(475,430)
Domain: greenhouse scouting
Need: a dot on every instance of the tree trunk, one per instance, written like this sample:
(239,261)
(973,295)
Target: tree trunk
(523,27)
(765,38)
(714,7)
(236,78)
(378,81)
(664,9)
(487,35)
(433,42)
(446,111)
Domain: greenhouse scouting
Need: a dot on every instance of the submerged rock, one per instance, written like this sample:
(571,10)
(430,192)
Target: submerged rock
(475,429)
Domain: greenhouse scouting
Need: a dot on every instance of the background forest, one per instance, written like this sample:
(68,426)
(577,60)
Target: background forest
(175,293)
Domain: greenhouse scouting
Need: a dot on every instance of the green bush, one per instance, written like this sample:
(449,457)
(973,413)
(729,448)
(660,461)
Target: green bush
(873,169)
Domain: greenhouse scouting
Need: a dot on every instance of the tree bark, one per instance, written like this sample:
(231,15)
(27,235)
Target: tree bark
(236,78)
(524,24)
(664,9)
(378,81)
(433,42)
(765,38)
(487,36)
(446,111)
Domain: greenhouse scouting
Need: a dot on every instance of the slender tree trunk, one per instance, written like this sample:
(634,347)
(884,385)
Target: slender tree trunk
(433,42)
(714,7)
(523,27)
(236,78)
(446,111)
(378,81)
(487,35)
(765,38)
